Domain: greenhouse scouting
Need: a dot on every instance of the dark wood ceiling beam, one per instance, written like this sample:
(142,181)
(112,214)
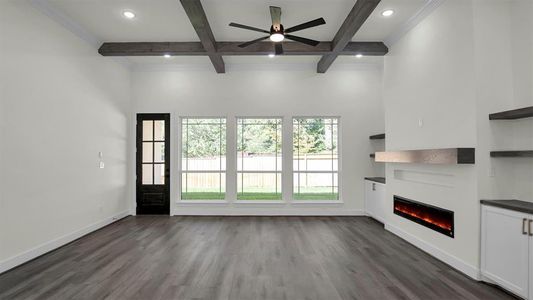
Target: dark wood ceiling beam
(231,48)
(353,22)
(198,19)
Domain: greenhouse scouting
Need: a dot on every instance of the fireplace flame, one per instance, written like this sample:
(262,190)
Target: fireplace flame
(425,218)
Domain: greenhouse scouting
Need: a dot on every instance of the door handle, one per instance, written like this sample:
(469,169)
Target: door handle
(529,228)
(524,226)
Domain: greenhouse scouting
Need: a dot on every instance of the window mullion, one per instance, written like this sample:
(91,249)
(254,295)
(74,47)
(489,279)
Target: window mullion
(220,156)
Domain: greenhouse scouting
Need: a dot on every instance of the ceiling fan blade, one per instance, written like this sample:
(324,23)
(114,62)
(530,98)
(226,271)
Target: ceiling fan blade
(247,27)
(313,23)
(302,40)
(278,48)
(275,13)
(253,42)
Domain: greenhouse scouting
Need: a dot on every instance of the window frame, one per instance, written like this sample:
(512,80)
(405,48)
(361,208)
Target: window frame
(180,164)
(339,199)
(236,165)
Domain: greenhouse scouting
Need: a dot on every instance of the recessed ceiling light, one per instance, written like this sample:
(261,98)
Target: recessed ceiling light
(167,56)
(359,55)
(272,55)
(387,13)
(128,14)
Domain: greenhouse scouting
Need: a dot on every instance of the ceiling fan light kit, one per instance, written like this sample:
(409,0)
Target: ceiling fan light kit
(277,37)
(278,33)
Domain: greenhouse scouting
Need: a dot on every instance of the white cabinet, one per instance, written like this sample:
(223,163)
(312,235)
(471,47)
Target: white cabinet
(506,249)
(375,200)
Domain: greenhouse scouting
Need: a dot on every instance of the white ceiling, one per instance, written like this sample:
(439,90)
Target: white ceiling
(165,20)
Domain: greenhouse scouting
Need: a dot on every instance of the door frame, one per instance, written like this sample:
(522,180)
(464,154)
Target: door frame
(140,117)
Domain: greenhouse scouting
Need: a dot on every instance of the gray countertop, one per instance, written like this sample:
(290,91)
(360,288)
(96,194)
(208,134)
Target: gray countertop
(516,205)
(376,179)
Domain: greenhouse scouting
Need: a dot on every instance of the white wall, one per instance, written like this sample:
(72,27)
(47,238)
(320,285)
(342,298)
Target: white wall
(2,117)
(461,63)
(522,48)
(503,82)
(429,75)
(353,93)
(61,104)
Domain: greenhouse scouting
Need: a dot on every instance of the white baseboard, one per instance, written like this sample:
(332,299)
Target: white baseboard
(26,256)
(245,211)
(447,258)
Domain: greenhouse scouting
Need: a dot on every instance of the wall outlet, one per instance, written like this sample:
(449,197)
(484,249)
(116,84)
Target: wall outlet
(102,165)
(492,172)
(420,122)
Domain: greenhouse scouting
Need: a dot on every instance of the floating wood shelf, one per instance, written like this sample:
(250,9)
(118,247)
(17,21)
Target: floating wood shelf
(378,136)
(522,153)
(450,156)
(521,113)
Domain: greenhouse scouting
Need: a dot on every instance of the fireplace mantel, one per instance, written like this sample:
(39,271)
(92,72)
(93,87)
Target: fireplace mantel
(449,156)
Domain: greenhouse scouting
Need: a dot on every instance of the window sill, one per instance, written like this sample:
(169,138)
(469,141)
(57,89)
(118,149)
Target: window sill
(203,202)
(320,202)
(259,202)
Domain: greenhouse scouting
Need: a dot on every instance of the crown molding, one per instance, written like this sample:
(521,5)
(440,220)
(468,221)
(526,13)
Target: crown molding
(426,10)
(48,9)
(45,7)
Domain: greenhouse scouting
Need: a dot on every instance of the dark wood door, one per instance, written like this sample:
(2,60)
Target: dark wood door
(153,164)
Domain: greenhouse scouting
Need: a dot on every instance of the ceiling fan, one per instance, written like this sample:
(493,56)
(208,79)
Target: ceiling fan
(278,33)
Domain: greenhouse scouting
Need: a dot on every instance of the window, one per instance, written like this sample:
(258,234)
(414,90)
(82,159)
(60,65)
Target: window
(259,159)
(153,152)
(315,158)
(203,158)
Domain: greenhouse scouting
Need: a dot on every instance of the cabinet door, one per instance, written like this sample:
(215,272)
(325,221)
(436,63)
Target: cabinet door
(379,198)
(531,261)
(505,249)
(370,202)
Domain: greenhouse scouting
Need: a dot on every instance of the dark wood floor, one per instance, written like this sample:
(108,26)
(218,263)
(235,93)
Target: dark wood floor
(241,258)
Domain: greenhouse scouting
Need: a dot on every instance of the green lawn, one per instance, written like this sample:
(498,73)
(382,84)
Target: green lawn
(202,196)
(315,193)
(258,196)
(315,196)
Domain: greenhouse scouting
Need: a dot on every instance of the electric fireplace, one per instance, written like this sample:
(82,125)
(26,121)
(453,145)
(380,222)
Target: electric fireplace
(436,218)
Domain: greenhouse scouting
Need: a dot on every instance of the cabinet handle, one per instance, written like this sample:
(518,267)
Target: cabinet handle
(529,227)
(524,226)
(373,186)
